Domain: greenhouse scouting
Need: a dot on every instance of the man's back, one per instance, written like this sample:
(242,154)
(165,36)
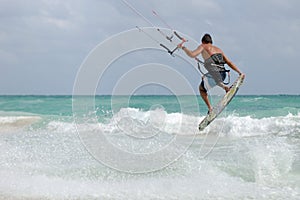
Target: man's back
(210,50)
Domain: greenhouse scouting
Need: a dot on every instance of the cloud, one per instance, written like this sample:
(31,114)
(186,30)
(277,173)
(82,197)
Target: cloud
(50,38)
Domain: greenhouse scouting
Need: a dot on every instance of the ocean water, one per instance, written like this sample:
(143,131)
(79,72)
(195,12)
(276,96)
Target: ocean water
(49,150)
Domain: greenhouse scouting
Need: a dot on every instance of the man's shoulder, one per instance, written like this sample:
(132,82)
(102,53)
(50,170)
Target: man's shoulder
(216,48)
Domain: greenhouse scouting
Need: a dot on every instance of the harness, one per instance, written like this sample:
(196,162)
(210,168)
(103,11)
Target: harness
(217,61)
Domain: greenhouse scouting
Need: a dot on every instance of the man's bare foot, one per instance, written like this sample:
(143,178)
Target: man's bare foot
(226,89)
(209,110)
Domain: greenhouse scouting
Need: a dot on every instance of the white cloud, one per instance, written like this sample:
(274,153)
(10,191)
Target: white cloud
(52,35)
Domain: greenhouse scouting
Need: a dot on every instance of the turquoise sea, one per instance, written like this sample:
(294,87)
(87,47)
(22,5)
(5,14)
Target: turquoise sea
(148,147)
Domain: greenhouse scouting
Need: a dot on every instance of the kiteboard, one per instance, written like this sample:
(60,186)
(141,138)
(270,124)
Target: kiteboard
(222,103)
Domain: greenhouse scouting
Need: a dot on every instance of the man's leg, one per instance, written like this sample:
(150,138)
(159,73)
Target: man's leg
(204,96)
(222,77)
(222,85)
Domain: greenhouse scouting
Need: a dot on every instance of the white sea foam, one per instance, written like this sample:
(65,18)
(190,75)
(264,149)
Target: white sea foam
(272,160)
(50,162)
(13,123)
(189,178)
(138,123)
(248,126)
(130,119)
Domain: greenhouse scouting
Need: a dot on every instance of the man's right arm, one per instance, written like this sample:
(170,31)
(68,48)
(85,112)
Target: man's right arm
(195,53)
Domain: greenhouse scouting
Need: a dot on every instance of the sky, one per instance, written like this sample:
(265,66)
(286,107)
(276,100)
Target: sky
(44,42)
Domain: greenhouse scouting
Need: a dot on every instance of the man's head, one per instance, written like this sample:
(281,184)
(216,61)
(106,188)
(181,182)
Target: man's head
(206,39)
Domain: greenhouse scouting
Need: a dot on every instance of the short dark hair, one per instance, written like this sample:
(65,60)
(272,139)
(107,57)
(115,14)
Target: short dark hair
(206,39)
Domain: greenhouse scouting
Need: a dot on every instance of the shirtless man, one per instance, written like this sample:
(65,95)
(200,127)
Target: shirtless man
(214,60)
